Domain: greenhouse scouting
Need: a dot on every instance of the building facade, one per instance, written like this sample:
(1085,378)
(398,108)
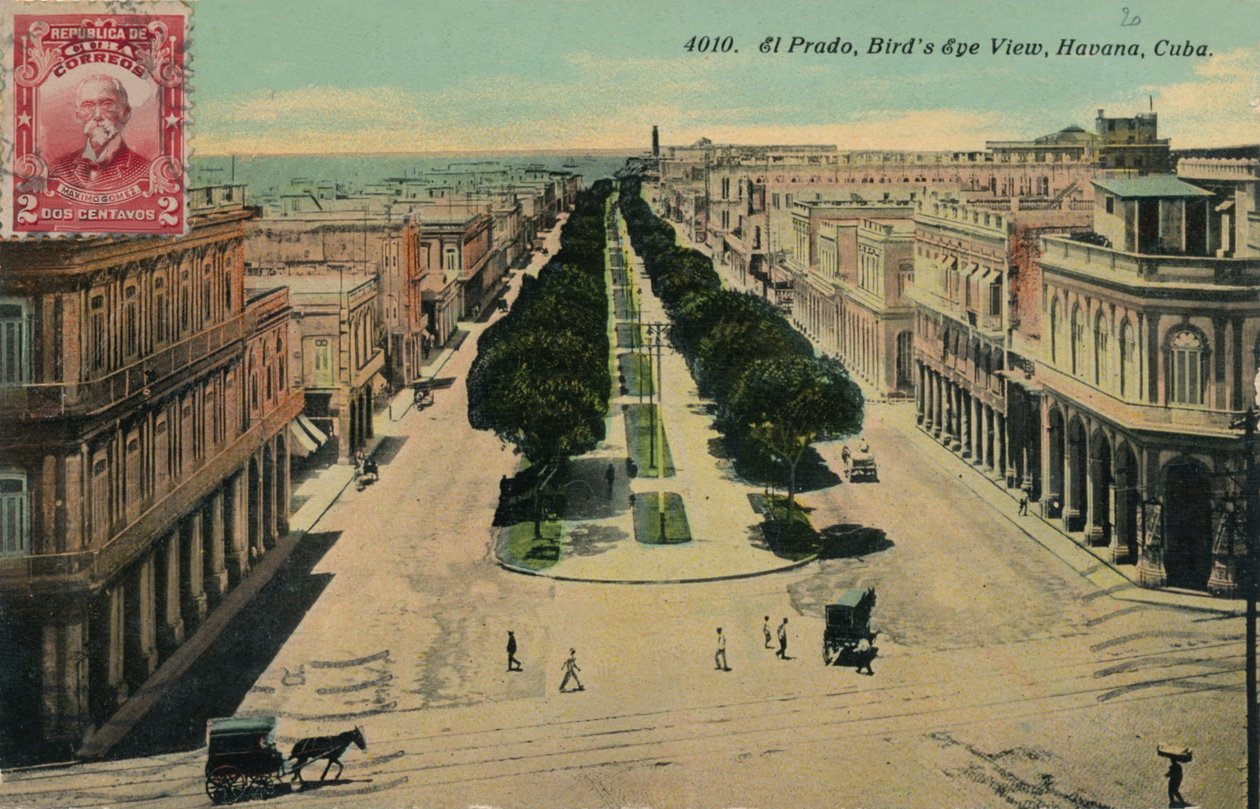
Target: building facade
(143,459)
(1147,364)
(337,352)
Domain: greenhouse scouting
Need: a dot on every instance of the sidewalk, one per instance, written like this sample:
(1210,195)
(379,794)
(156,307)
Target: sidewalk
(1085,560)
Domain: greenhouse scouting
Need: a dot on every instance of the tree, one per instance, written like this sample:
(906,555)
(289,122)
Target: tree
(785,404)
(540,380)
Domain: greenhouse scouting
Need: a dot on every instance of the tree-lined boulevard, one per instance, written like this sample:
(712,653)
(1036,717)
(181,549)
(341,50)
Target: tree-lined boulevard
(1012,670)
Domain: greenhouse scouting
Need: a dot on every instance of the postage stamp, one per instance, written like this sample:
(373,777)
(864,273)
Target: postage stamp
(95,112)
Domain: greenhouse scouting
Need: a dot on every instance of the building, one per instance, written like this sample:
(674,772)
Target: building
(336,352)
(340,241)
(144,460)
(975,274)
(839,299)
(1151,347)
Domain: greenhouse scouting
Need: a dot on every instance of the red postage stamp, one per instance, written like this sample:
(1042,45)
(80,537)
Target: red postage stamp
(96,106)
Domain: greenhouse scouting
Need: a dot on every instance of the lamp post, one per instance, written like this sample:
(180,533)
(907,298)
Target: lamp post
(1252,523)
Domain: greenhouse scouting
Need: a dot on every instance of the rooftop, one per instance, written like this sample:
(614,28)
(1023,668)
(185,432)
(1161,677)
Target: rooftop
(1152,185)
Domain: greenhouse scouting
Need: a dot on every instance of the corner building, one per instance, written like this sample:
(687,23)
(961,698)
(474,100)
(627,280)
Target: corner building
(144,407)
(1148,362)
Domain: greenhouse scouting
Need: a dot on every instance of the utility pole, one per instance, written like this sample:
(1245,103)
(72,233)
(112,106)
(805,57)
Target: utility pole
(1249,590)
(1249,585)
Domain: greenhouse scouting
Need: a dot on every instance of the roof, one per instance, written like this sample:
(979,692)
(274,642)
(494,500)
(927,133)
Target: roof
(850,598)
(242,724)
(1152,185)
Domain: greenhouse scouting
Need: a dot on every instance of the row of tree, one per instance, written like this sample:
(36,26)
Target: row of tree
(773,395)
(540,380)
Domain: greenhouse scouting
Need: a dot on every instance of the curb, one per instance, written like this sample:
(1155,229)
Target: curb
(511,568)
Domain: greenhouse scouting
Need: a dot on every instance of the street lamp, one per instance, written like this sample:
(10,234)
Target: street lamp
(1252,494)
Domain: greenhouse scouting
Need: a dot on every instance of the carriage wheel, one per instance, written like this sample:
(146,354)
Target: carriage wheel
(226,784)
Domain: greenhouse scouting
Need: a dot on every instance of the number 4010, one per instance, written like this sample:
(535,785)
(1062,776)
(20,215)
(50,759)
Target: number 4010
(710,44)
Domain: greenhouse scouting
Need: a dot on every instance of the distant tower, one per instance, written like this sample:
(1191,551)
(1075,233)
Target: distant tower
(656,142)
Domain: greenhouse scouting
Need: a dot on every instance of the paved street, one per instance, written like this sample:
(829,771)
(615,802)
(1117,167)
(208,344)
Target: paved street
(1005,676)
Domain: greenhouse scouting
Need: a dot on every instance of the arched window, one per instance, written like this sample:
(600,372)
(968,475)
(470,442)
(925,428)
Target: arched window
(1187,364)
(1078,341)
(1102,338)
(1128,381)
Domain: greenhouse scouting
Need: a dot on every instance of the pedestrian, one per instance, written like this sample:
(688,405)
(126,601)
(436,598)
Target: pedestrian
(1023,502)
(610,475)
(864,653)
(765,630)
(513,663)
(570,671)
(1174,784)
(719,659)
(782,653)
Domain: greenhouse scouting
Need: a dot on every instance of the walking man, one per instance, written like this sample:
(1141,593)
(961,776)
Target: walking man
(570,671)
(610,475)
(719,659)
(765,630)
(782,653)
(1174,784)
(1023,502)
(513,663)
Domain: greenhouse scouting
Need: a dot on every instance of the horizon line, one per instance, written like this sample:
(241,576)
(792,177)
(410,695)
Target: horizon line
(623,151)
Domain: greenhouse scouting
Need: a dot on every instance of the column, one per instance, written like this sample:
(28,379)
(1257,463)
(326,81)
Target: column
(109,624)
(235,529)
(284,484)
(920,411)
(1093,533)
(141,623)
(64,681)
(213,522)
(1118,547)
(192,577)
(1004,450)
(965,407)
(170,629)
(938,397)
(1069,478)
(269,497)
(955,408)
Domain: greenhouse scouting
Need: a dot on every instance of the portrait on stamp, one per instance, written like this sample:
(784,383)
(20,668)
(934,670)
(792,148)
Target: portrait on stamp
(98,124)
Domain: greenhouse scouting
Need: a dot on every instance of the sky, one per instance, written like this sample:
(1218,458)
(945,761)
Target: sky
(315,76)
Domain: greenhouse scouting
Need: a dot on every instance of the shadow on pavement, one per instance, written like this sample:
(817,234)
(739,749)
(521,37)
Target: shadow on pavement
(216,684)
(848,540)
(388,447)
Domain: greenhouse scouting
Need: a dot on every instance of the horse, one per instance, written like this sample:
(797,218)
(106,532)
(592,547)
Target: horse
(325,747)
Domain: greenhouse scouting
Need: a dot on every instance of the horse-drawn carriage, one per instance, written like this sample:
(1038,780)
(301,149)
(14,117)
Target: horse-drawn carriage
(242,756)
(848,624)
(859,464)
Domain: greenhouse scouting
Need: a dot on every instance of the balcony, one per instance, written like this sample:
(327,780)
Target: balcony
(207,199)
(1143,269)
(42,400)
(53,572)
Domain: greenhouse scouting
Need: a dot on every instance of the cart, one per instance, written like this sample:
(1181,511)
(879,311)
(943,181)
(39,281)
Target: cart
(859,465)
(848,624)
(242,757)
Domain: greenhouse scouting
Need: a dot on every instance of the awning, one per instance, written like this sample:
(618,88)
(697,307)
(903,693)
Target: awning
(307,436)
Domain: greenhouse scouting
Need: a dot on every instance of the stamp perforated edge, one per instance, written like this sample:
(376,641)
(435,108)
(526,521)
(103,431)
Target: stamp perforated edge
(9,8)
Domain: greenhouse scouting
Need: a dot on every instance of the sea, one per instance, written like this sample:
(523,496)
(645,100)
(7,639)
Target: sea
(271,174)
